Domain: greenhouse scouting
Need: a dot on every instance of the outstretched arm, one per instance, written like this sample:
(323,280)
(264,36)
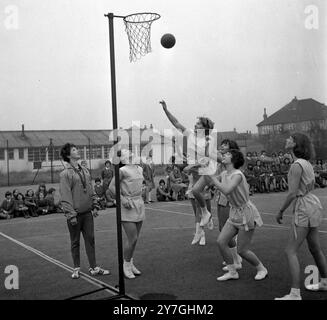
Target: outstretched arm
(171,118)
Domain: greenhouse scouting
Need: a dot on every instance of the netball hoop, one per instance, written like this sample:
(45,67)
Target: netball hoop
(138,29)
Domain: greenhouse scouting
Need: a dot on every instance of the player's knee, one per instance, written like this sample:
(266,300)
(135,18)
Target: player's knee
(222,243)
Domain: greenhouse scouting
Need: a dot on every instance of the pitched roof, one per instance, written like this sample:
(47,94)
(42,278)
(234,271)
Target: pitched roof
(297,111)
(41,138)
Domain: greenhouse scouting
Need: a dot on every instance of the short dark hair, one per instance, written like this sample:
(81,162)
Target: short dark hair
(107,161)
(20,194)
(8,193)
(162,181)
(206,122)
(303,146)
(65,151)
(237,158)
(97,180)
(231,143)
(51,190)
(27,191)
(287,159)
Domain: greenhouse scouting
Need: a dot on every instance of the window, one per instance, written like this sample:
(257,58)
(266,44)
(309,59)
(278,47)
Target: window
(36,154)
(97,152)
(88,152)
(2,154)
(81,152)
(106,152)
(11,154)
(21,153)
(54,154)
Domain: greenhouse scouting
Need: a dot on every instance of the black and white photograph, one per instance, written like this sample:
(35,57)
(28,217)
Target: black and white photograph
(163,155)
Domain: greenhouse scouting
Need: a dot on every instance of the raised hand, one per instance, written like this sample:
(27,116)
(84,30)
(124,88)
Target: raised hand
(163,103)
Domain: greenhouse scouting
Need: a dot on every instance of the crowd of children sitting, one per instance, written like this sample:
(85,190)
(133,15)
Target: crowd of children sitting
(263,173)
(32,204)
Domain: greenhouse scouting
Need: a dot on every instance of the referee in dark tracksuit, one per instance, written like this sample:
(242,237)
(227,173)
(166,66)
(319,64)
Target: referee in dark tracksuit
(80,206)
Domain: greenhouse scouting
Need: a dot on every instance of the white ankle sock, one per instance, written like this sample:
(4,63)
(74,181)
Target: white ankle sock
(231,268)
(295,292)
(204,210)
(260,267)
(235,255)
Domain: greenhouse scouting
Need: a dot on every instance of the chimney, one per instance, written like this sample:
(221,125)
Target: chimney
(23,131)
(265,117)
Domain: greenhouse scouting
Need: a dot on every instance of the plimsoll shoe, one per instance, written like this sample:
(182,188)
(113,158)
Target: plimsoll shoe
(261,274)
(76,274)
(128,273)
(97,271)
(197,237)
(203,240)
(290,297)
(205,219)
(229,276)
(238,266)
(136,271)
(317,287)
(210,224)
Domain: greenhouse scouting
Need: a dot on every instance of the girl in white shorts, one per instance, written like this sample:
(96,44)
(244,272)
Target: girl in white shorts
(243,216)
(307,212)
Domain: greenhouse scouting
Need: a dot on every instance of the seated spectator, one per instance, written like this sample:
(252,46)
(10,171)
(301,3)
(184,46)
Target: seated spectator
(111,199)
(260,175)
(42,188)
(177,185)
(42,204)
(249,159)
(21,209)
(275,159)
(15,194)
(284,168)
(251,178)
(100,192)
(162,192)
(50,197)
(7,208)
(30,202)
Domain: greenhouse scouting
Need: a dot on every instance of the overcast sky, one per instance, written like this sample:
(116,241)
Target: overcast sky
(232,58)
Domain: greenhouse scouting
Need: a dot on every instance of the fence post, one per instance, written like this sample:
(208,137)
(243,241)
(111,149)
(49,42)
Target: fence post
(90,151)
(51,159)
(8,174)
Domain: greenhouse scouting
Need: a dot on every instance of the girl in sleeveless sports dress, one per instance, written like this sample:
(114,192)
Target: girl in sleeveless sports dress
(307,217)
(243,216)
(132,208)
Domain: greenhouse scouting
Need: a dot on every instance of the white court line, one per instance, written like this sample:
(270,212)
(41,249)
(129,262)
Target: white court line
(190,215)
(84,276)
(265,213)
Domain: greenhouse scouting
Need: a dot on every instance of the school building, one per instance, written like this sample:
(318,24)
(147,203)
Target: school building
(29,150)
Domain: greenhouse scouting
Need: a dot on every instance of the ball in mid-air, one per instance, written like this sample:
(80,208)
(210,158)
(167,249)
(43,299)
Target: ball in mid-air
(168,40)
